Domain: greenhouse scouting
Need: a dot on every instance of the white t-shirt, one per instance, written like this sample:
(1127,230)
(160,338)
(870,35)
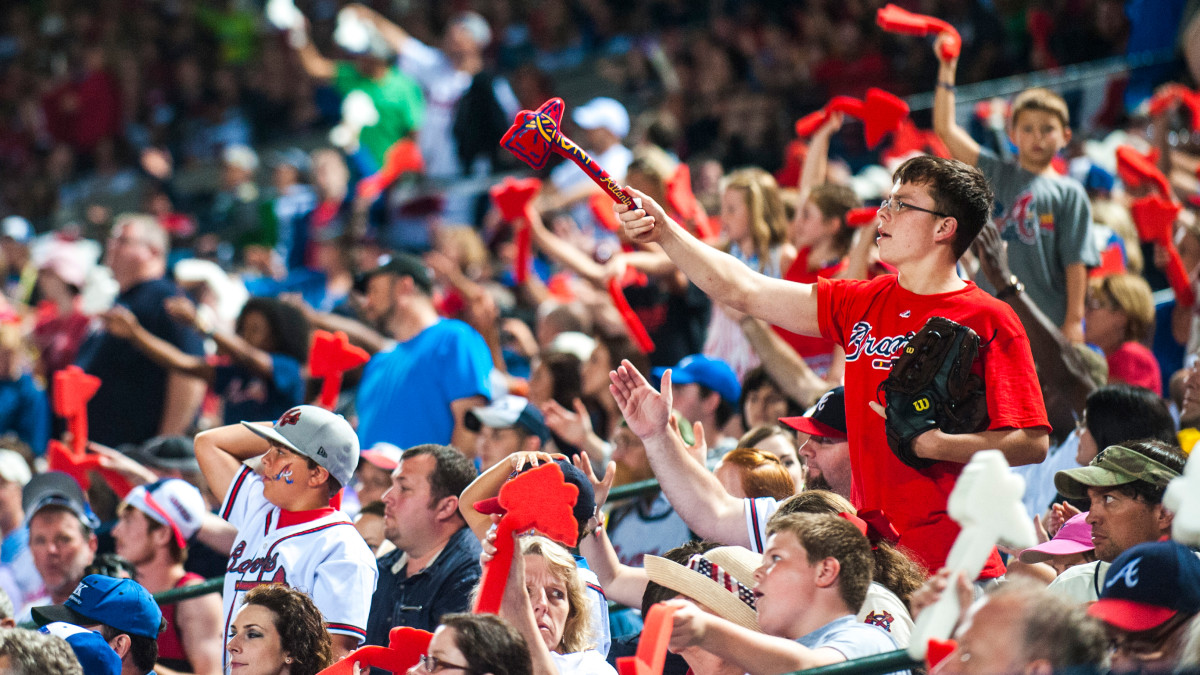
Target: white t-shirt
(587,662)
(884,609)
(1080,583)
(443,86)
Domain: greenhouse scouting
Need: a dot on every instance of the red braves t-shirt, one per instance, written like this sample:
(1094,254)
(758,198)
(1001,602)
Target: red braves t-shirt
(873,320)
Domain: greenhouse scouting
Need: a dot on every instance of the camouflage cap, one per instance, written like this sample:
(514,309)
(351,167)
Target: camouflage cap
(1115,465)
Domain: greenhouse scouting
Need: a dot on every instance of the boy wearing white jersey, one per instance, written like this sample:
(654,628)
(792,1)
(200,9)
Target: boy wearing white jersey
(287,530)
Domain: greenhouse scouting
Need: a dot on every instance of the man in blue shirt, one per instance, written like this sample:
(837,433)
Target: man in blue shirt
(420,388)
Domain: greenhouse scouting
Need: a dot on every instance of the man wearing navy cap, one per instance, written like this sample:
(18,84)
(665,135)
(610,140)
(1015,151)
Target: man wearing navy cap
(1150,596)
(510,424)
(121,611)
(61,533)
(826,446)
(706,390)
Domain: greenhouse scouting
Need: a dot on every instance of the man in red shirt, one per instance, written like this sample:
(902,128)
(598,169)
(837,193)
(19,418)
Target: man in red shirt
(935,210)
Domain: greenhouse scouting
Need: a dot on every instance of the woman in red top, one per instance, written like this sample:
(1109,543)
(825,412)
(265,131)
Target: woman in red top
(1118,318)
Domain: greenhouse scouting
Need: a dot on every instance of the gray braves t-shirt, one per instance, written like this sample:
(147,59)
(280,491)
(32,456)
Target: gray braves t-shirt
(1045,221)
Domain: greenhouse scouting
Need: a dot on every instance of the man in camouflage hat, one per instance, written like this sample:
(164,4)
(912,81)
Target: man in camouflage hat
(1125,485)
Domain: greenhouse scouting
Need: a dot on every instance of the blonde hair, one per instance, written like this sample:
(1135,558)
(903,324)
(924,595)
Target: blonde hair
(577,632)
(466,242)
(1040,99)
(768,218)
(1132,297)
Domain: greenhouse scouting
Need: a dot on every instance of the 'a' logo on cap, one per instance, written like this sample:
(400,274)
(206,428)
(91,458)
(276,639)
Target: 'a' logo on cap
(1129,573)
(290,417)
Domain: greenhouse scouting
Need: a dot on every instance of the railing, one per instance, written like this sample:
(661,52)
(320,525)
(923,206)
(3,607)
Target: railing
(877,664)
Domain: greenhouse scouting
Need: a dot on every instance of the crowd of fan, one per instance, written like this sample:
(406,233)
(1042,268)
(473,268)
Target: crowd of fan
(782,531)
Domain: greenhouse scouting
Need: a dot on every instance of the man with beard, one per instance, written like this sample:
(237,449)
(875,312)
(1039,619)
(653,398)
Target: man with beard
(419,389)
(436,561)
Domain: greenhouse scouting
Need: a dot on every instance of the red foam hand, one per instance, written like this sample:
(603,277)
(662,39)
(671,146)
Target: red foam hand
(636,330)
(808,125)
(679,193)
(539,499)
(882,112)
(1136,169)
(73,388)
(897,20)
(937,650)
(402,157)
(404,650)
(80,465)
(861,216)
(1155,219)
(513,196)
(652,647)
(602,211)
(331,355)
(1166,97)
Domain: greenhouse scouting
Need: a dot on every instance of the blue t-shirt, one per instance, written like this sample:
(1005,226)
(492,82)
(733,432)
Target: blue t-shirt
(850,637)
(405,393)
(252,398)
(128,407)
(25,412)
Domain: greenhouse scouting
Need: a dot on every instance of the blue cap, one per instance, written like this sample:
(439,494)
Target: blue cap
(93,653)
(1149,584)
(707,372)
(120,603)
(508,411)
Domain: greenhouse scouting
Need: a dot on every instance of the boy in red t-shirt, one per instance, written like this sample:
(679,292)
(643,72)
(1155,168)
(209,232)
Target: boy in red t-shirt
(936,208)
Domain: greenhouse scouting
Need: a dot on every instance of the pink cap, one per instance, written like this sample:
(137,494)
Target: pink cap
(1075,536)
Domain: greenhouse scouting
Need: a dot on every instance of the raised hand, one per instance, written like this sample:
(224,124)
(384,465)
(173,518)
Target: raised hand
(120,322)
(600,487)
(181,309)
(646,411)
(643,225)
(572,427)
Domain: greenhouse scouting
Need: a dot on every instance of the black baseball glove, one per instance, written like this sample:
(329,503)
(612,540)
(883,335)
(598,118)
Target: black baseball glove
(931,386)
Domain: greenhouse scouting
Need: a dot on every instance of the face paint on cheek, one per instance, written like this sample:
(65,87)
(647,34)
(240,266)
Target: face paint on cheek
(285,475)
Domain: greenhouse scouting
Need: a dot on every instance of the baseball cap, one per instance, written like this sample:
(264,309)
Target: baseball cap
(165,452)
(707,372)
(1149,584)
(322,436)
(402,265)
(1075,536)
(293,157)
(16,228)
(171,502)
(603,113)
(383,455)
(1114,465)
(827,418)
(240,156)
(55,488)
(476,26)
(509,411)
(14,468)
(90,648)
(585,504)
(120,603)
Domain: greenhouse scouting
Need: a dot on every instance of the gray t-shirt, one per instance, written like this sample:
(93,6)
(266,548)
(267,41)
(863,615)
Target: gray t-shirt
(1045,221)
(850,637)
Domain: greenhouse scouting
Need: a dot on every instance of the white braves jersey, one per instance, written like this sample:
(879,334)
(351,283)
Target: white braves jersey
(325,557)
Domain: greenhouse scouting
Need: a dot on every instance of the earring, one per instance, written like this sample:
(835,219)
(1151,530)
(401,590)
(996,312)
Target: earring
(287,660)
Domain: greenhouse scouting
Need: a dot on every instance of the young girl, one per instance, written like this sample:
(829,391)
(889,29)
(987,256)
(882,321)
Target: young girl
(258,371)
(754,223)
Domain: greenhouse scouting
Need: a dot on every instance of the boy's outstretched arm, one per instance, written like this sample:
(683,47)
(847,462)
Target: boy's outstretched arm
(957,140)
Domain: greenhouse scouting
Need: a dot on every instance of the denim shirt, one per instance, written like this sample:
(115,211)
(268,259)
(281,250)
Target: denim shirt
(420,600)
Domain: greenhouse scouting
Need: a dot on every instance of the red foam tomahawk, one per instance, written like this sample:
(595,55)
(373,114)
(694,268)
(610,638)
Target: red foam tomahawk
(864,215)
(331,355)
(881,112)
(539,499)
(514,198)
(73,388)
(1174,94)
(404,650)
(1155,219)
(534,136)
(652,647)
(894,19)
(401,158)
(1136,169)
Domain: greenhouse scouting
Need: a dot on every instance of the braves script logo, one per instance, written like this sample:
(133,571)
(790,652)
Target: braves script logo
(882,351)
(585,162)
(259,566)
(290,417)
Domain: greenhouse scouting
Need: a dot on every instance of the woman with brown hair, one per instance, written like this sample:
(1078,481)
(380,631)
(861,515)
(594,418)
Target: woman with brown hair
(752,473)
(278,631)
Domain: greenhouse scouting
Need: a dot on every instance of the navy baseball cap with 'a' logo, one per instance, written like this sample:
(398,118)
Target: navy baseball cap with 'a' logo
(1148,585)
(322,436)
(827,418)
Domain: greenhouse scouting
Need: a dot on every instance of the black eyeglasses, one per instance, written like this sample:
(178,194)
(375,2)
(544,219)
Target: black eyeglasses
(433,664)
(896,206)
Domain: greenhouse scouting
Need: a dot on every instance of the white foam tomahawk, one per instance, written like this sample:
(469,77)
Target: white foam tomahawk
(986,503)
(358,112)
(1183,499)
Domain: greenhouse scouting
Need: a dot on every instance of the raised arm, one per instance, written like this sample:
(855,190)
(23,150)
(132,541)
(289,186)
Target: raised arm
(394,35)
(488,485)
(122,323)
(695,493)
(563,252)
(783,364)
(723,277)
(258,361)
(317,66)
(962,147)
(816,161)
(221,451)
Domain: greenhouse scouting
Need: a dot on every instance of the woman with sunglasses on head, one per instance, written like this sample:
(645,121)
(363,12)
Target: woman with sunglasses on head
(278,631)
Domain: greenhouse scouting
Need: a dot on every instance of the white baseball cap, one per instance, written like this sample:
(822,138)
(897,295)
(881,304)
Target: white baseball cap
(171,502)
(322,436)
(14,468)
(603,112)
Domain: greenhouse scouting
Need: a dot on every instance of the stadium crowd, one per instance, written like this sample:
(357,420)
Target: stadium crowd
(722,346)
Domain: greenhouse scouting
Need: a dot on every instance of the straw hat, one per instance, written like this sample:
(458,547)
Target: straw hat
(721,579)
